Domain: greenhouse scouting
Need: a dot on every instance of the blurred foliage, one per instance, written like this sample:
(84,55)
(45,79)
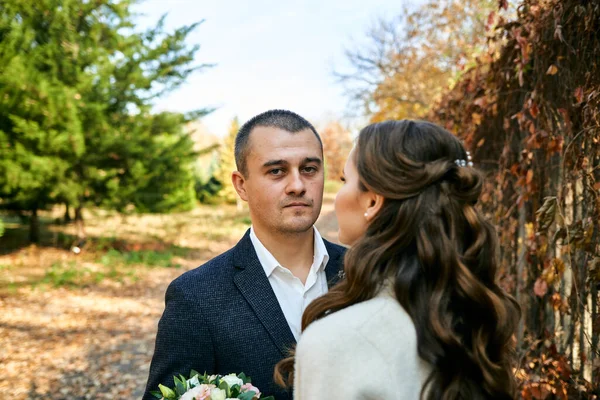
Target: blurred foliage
(408,61)
(227,165)
(337,143)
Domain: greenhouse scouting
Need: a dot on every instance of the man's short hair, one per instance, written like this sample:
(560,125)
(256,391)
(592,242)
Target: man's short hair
(282,119)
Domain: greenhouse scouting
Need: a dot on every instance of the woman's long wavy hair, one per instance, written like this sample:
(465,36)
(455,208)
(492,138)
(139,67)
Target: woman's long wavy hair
(440,254)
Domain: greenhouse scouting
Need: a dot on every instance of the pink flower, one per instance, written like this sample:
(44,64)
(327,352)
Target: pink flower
(247,387)
(201,392)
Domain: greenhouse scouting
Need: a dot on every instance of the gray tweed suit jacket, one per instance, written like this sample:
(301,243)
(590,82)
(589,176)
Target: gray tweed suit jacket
(223,317)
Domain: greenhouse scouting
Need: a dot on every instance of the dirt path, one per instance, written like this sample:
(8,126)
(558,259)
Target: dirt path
(90,343)
(80,343)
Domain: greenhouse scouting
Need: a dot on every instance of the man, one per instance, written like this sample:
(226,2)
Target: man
(241,311)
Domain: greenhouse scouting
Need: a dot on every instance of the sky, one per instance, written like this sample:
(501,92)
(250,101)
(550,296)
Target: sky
(268,54)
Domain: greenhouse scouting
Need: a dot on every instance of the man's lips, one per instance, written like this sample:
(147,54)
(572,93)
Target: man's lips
(297,204)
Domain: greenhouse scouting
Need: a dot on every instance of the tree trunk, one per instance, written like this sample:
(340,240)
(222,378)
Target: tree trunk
(34,227)
(521,271)
(79,222)
(67,214)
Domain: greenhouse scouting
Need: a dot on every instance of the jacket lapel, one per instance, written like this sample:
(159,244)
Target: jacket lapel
(254,285)
(334,269)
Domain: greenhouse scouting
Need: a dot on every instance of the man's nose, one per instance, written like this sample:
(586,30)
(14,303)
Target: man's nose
(295,184)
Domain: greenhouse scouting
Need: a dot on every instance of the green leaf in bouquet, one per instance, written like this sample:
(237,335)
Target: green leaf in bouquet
(224,386)
(244,378)
(156,394)
(180,385)
(268,398)
(194,373)
(235,391)
(205,378)
(249,395)
(167,392)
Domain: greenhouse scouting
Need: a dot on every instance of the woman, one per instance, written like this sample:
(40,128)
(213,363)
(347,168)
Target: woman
(419,314)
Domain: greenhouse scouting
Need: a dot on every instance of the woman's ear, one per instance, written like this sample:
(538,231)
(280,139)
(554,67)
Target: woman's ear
(374,204)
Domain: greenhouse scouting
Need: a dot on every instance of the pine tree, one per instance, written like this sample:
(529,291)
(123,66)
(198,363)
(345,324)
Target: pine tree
(76,91)
(39,127)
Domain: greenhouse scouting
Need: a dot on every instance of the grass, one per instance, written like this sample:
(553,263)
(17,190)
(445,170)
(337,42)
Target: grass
(118,248)
(113,265)
(69,274)
(74,275)
(148,258)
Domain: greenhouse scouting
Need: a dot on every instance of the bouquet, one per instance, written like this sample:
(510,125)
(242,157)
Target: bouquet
(210,387)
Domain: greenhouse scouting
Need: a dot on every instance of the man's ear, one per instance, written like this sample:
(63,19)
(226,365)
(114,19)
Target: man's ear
(239,183)
(374,202)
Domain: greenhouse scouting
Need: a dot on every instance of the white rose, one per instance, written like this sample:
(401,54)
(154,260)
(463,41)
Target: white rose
(232,379)
(217,394)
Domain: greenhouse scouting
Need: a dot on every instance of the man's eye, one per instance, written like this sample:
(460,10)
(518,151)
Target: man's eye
(276,171)
(310,170)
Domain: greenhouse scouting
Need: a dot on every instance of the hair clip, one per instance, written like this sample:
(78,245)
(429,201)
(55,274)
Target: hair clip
(464,163)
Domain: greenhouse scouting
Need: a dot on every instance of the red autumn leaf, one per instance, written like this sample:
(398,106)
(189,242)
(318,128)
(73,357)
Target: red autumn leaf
(491,17)
(539,391)
(579,94)
(540,287)
(529,176)
(564,369)
(534,110)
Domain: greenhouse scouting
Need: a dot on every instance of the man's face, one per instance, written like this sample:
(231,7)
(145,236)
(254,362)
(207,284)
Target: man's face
(284,181)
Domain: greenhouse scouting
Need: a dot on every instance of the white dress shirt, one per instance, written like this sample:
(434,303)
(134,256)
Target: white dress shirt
(293,296)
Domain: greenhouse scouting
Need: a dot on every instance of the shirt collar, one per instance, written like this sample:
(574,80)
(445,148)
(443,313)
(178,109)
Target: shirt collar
(269,262)
(320,255)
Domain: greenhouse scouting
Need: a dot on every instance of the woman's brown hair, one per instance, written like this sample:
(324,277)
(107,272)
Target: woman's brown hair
(440,254)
